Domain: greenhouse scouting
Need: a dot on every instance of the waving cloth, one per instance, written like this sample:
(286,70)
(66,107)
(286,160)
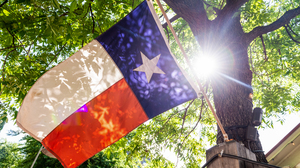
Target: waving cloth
(118,81)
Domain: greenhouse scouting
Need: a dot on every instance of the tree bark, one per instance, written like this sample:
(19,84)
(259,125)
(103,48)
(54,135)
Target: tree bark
(224,39)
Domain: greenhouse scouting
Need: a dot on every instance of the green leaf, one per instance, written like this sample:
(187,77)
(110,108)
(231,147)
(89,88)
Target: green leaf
(39,27)
(56,4)
(3,120)
(73,6)
(5,12)
(85,9)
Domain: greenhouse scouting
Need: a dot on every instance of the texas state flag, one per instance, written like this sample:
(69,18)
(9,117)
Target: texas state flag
(118,81)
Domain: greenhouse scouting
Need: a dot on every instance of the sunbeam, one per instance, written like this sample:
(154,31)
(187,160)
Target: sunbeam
(237,81)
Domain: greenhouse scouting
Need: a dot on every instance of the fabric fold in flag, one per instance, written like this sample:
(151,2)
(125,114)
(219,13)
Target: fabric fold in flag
(118,81)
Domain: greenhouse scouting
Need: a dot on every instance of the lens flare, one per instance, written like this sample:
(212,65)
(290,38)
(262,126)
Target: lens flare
(205,66)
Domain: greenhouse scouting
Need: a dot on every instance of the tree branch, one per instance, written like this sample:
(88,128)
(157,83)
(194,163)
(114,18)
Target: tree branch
(3,67)
(64,14)
(199,118)
(253,69)
(29,49)
(236,3)
(92,18)
(286,29)
(13,42)
(168,34)
(14,36)
(56,55)
(179,32)
(232,6)
(99,27)
(184,116)
(169,120)
(264,47)
(188,9)
(283,20)
(11,47)
(163,126)
(3,3)
(171,20)
(292,30)
(166,11)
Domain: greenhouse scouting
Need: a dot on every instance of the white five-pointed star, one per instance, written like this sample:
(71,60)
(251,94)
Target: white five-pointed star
(149,67)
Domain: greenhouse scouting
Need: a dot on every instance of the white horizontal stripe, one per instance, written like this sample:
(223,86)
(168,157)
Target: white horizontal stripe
(67,87)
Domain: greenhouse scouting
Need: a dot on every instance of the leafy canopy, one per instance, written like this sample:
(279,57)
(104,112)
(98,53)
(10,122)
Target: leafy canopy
(36,35)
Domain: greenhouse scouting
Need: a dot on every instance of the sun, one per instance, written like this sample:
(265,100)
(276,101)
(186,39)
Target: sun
(205,66)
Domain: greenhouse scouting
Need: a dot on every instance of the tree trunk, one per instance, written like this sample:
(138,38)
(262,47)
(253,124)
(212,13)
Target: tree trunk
(224,39)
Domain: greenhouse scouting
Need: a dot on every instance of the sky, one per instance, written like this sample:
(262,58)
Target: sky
(270,137)
(10,126)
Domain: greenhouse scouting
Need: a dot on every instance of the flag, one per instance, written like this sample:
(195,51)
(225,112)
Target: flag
(118,81)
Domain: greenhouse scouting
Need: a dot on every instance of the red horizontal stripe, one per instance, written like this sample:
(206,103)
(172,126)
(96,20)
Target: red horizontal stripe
(109,117)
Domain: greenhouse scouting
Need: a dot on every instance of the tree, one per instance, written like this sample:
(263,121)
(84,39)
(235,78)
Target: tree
(9,154)
(250,38)
(225,31)
(31,147)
